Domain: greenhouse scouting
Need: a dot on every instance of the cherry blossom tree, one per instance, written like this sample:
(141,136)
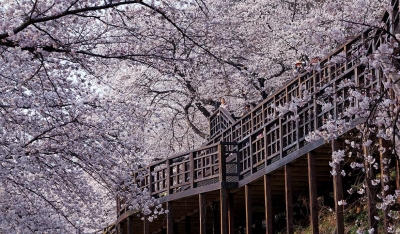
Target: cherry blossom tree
(91,89)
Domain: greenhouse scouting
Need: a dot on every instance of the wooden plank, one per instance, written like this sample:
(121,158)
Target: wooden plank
(338,194)
(202,214)
(312,188)
(231,214)
(249,211)
(289,199)
(170,221)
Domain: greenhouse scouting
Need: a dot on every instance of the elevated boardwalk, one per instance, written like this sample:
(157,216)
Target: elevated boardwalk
(258,174)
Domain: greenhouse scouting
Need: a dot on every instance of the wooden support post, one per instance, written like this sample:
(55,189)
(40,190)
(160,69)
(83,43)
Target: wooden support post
(216,217)
(312,188)
(289,198)
(223,211)
(129,225)
(123,226)
(187,225)
(231,214)
(175,227)
(146,228)
(119,228)
(338,194)
(398,176)
(370,193)
(249,210)
(222,194)
(268,204)
(202,213)
(384,167)
(170,219)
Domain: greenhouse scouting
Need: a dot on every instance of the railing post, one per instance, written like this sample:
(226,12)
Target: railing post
(251,154)
(222,163)
(265,139)
(150,180)
(169,179)
(191,180)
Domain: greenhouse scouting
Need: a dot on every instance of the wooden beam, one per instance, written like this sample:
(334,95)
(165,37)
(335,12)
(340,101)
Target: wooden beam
(223,211)
(312,188)
(231,214)
(338,194)
(170,221)
(289,199)
(268,205)
(202,213)
(249,212)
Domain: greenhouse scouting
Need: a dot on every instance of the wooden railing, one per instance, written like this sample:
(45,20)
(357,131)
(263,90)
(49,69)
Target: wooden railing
(219,121)
(253,144)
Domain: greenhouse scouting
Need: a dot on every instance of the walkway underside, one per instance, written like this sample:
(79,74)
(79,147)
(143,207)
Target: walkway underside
(245,206)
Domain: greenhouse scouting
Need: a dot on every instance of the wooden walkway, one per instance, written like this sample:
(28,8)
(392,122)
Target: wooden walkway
(258,174)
